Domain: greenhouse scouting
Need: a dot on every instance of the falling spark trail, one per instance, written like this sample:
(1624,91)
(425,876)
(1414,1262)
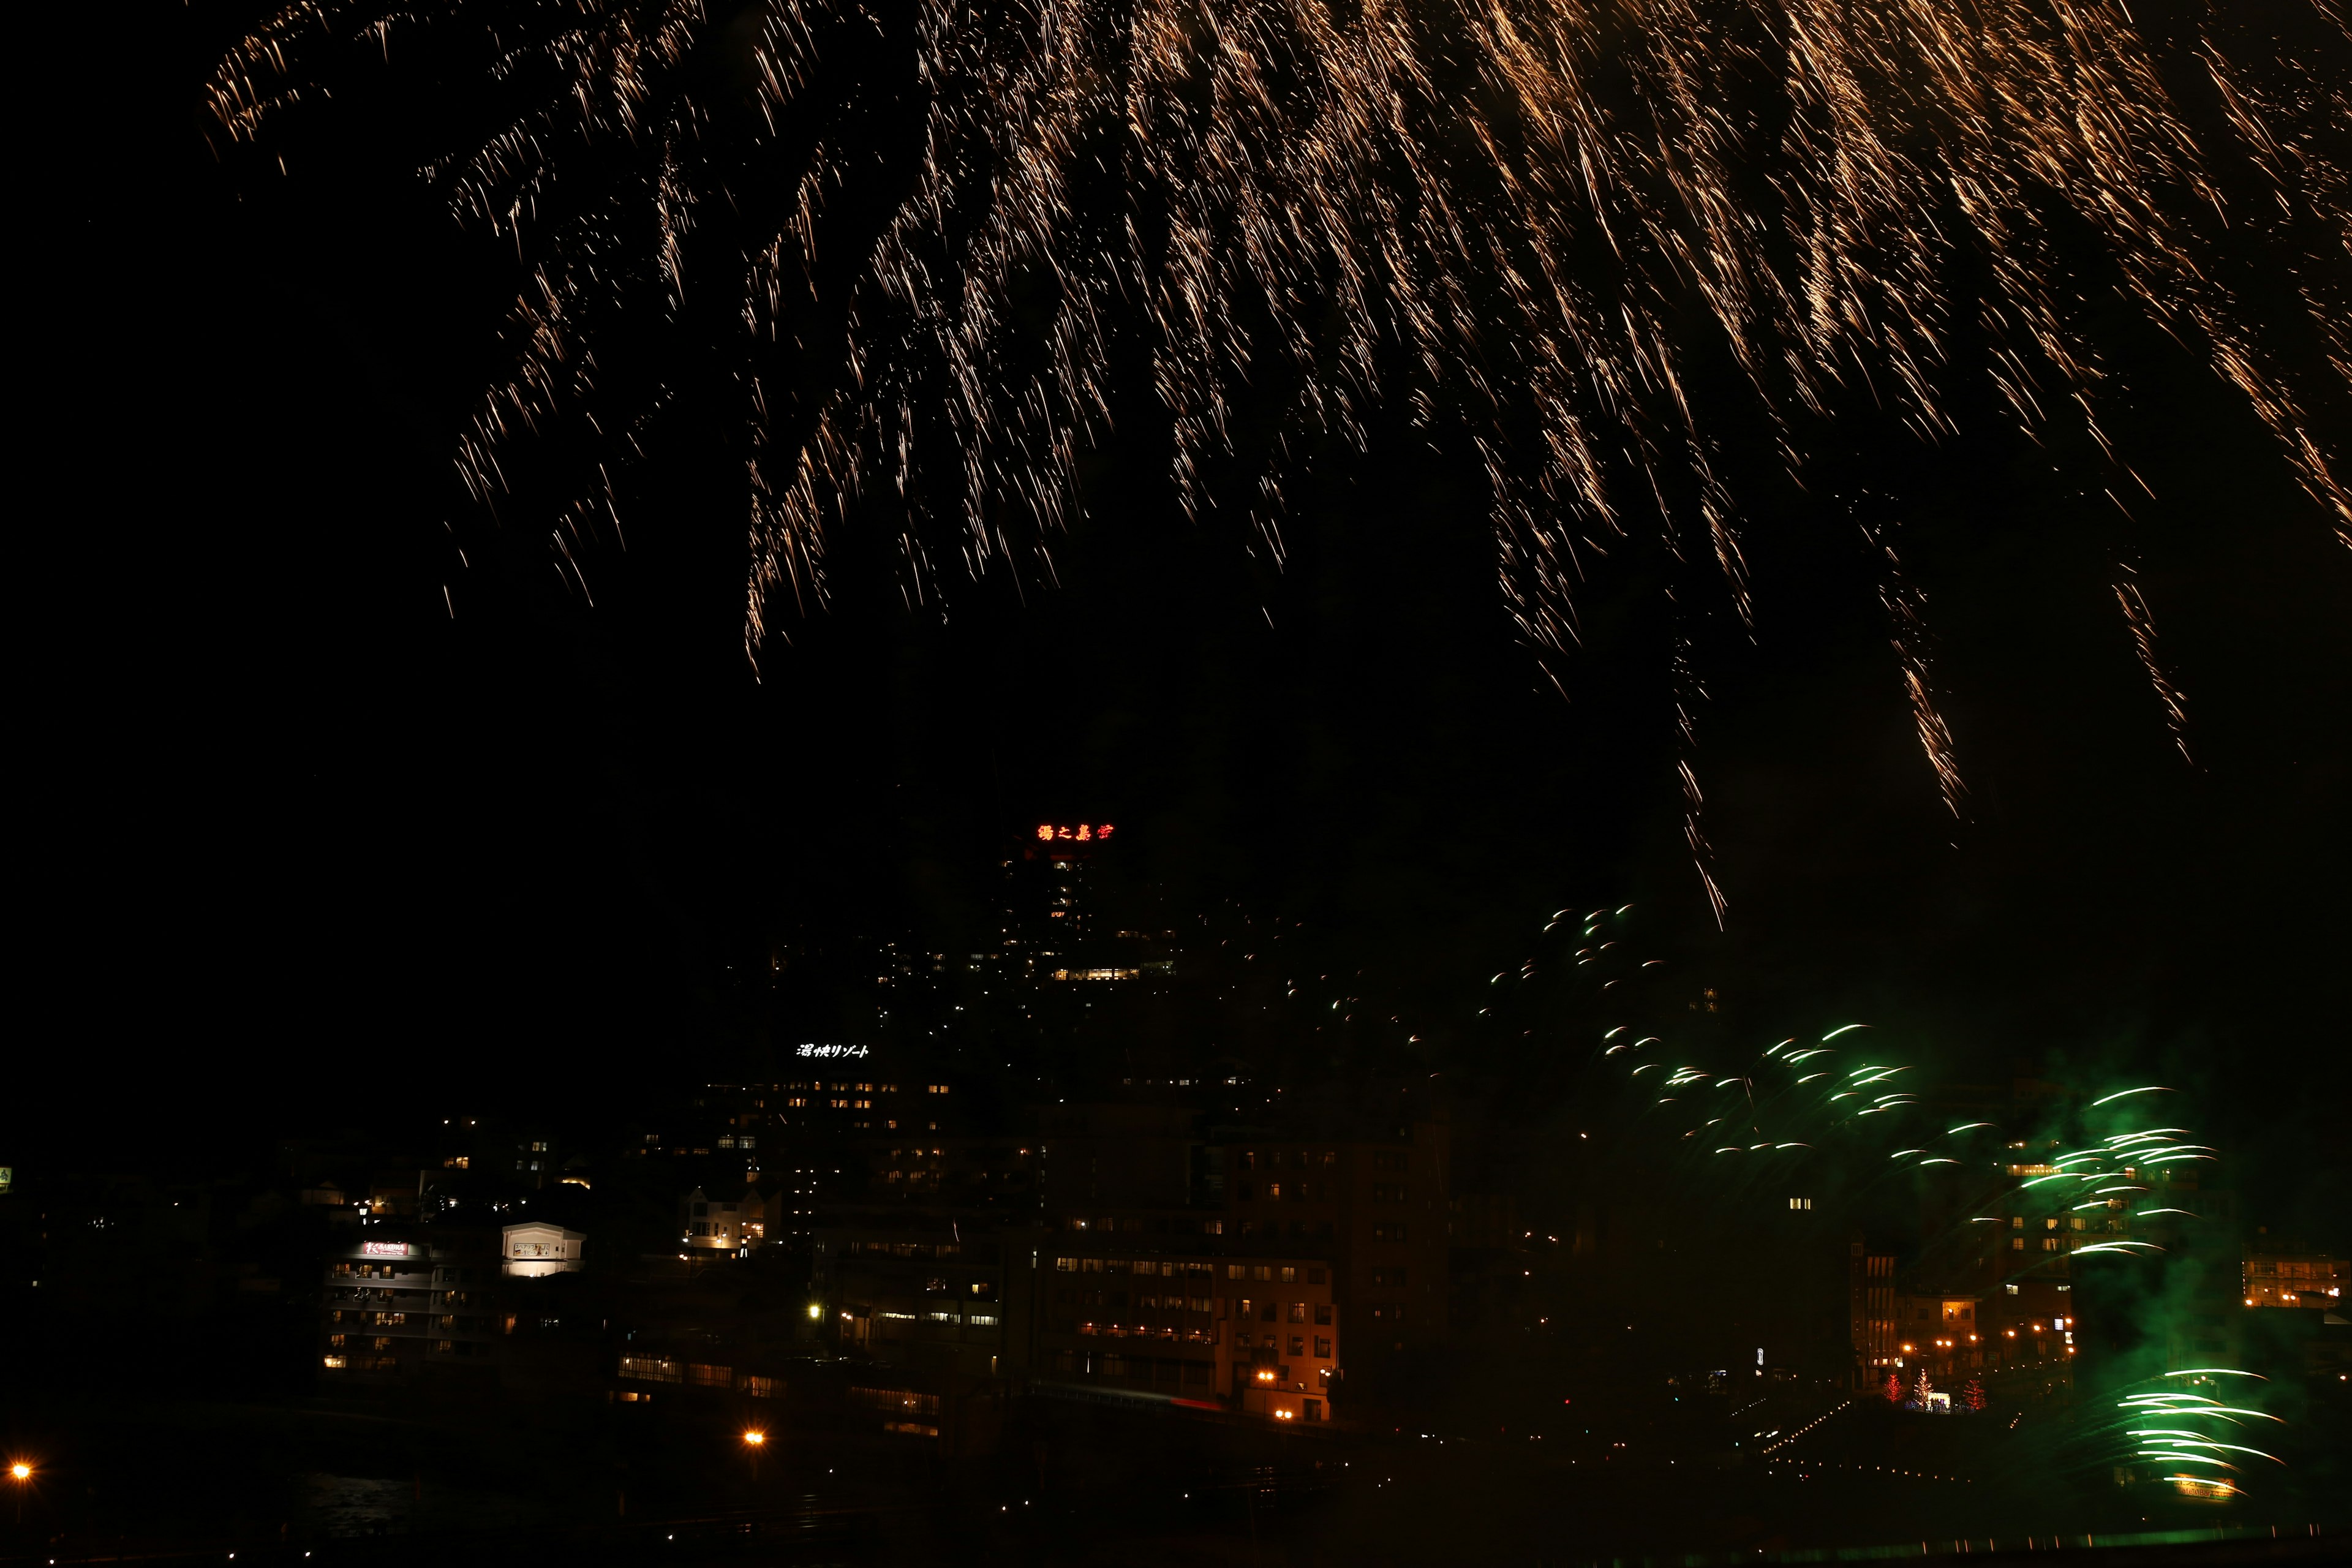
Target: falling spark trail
(1530,221)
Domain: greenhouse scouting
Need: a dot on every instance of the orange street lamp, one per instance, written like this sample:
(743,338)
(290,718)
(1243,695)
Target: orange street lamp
(20,1471)
(755,1437)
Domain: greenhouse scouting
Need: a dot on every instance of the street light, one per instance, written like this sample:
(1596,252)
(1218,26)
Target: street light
(20,1471)
(753,1441)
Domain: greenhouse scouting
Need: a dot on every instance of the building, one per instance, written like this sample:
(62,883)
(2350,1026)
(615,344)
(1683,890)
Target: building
(1871,1311)
(1059,859)
(399,1299)
(723,1227)
(1056,932)
(1377,1208)
(2274,1276)
(535,1249)
(964,1173)
(438,1302)
(1258,1335)
(1368,1209)
(919,1293)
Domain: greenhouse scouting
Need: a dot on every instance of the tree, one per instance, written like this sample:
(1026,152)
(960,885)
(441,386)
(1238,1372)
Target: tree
(1894,1389)
(1922,1389)
(1973,1395)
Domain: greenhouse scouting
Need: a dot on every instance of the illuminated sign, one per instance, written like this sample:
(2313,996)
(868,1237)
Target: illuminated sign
(834,1051)
(1084,832)
(384,1249)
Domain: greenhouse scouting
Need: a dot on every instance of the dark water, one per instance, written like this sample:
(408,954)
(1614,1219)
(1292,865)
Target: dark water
(1782,1473)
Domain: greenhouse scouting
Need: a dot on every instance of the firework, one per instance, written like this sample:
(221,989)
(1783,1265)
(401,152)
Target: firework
(1526,220)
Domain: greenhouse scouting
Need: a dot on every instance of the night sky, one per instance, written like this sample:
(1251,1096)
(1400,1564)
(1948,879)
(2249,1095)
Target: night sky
(303,843)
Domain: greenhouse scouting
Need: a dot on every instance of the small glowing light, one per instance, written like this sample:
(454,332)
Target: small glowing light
(755,1437)
(816,1312)
(20,1471)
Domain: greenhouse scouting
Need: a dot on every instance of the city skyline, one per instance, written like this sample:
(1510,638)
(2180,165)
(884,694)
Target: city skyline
(1187,781)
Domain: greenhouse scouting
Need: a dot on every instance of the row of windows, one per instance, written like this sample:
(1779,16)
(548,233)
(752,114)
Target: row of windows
(1100,1363)
(371,1320)
(1309,1158)
(1141,1332)
(1142,1303)
(1298,1344)
(1164,1268)
(696,1374)
(1169,1268)
(1300,1229)
(897,1401)
(1278,1192)
(350,1293)
(1275,1311)
(917,1250)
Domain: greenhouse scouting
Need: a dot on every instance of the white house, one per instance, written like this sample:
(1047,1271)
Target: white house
(535,1248)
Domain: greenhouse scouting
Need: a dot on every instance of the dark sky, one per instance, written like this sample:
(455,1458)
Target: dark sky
(299,839)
